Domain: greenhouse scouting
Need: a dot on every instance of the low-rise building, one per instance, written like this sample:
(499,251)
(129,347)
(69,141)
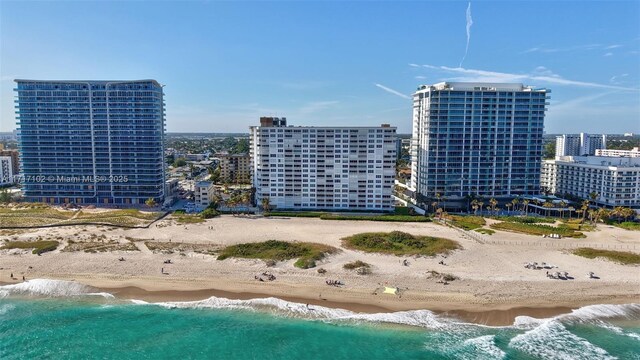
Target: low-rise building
(235,168)
(635,152)
(616,180)
(203,194)
(195,157)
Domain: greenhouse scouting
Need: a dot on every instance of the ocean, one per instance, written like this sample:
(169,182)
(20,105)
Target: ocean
(50,319)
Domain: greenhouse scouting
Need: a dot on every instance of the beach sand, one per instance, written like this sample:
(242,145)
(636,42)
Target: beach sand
(493,285)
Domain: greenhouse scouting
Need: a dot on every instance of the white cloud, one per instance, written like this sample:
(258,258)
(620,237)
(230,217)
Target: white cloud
(316,106)
(414,65)
(614,79)
(469,23)
(420,77)
(615,46)
(543,49)
(544,77)
(608,54)
(391,91)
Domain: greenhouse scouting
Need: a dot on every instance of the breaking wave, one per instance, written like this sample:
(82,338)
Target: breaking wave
(50,288)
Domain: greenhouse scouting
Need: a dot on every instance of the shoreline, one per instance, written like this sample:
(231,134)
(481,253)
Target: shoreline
(503,314)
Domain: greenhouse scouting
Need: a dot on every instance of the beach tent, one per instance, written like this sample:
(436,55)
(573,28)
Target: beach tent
(390,290)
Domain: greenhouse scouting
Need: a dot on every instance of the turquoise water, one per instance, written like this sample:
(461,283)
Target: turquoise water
(59,320)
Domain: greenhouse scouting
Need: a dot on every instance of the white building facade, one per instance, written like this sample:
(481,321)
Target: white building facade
(616,180)
(477,139)
(6,171)
(324,168)
(203,194)
(635,152)
(579,144)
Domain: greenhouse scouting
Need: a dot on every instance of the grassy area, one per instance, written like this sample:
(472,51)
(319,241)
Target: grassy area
(485,231)
(399,216)
(390,218)
(399,243)
(307,253)
(173,247)
(307,214)
(526,219)
(187,218)
(536,229)
(622,257)
(466,222)
(42,216)
(38,247)
(628,225)
(99,246)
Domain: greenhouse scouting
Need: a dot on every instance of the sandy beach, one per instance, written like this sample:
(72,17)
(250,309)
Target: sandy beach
(493,285)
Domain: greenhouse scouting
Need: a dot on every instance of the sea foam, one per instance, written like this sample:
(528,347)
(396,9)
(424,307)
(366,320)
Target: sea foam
(421,318)
(50,288)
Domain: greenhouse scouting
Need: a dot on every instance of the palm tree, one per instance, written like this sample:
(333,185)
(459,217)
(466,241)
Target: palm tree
(434,206)
(474,206)
(493,202)
(600,214)
(563,205)
(508,205)
(150,202)
(525,205)
(514,203)
(266,204)
(547,205)
(480,205)
(584,208)
(592,215)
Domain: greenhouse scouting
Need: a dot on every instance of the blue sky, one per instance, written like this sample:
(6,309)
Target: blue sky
(225,64)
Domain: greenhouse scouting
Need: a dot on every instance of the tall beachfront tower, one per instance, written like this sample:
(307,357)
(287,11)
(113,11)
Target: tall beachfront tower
(91,142)
(332,168)
(477,139)
(579,144)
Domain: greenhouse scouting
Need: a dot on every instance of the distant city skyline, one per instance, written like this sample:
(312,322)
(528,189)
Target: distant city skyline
(226,64)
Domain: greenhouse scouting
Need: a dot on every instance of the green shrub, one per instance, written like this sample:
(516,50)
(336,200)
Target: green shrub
(485,231)
(209,213)
(526,219)
(355,265)
(466,222)
(307,253)
(628,225)
(38,247)
(399,243)
(622,257)
(536,229)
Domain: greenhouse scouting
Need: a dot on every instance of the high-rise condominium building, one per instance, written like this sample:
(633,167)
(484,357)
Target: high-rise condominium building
(341,168)
(615,180)
(579,144)
(480,139)
(91,142)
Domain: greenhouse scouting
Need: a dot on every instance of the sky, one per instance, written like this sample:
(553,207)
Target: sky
(329,63)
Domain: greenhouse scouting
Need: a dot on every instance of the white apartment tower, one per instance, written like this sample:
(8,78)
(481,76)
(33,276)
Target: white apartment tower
(333,168)
(477,139)
(579,144)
